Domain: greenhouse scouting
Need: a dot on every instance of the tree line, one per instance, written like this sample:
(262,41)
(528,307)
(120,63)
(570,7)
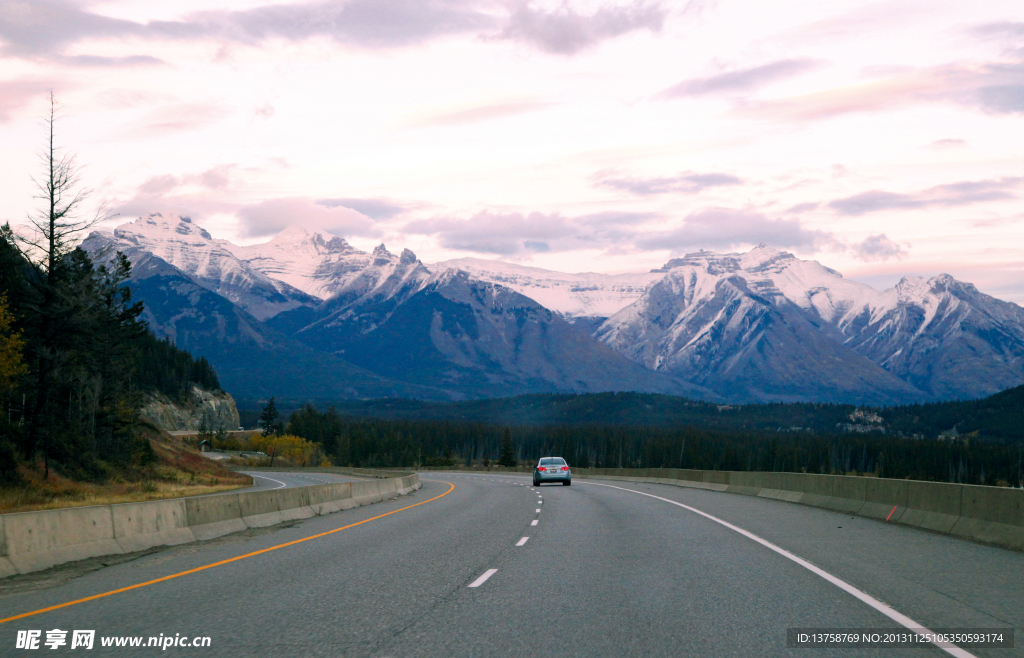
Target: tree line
(377,442)
(997,418)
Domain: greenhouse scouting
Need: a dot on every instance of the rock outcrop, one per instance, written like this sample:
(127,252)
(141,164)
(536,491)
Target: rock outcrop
(218,409)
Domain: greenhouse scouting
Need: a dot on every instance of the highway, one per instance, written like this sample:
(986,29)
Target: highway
(586,570)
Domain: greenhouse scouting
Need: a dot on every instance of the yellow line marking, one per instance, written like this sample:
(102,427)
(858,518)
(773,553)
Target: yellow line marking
(228,561)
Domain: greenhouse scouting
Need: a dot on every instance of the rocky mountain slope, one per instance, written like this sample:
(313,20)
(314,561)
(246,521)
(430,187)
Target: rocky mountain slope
(458,332)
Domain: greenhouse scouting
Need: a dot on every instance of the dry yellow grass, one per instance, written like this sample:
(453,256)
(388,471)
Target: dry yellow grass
(179,471)
(82,495)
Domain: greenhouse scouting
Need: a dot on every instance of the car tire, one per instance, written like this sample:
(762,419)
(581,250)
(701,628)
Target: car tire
(568,483)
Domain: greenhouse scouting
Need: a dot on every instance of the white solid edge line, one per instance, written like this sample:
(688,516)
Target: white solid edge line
(483,578)
(283,485)
(534,522)
(522,541)
(889,612)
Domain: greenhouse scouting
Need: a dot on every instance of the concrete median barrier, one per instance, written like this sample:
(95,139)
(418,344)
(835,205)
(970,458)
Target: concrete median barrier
(213,516)
(991,514)
(260,509)
(7,568)
(330,498)
(37,540)
(932,505)
(31,541)
(366,493)
(138,526)
(885,499)
(294,503)
(848,494)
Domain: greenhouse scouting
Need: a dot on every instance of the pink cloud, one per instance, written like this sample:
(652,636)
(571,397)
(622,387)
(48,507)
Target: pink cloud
(271,216)
(868,96)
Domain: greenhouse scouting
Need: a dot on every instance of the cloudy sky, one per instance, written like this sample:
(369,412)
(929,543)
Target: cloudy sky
(880,139)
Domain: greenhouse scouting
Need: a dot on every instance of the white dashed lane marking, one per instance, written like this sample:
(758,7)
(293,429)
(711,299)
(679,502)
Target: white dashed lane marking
(483,578)
(522,541)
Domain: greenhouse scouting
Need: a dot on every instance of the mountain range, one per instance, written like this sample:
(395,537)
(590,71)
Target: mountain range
(308,316)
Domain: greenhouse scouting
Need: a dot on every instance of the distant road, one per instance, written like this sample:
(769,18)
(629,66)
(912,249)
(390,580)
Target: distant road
(275,480)
(586,570)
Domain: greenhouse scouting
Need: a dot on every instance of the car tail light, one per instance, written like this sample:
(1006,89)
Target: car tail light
(565,468)
(541,468)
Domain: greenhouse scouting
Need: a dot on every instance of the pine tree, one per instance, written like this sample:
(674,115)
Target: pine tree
(507,450)
(268,418)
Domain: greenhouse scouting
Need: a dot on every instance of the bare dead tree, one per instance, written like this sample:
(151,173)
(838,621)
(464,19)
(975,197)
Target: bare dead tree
(59,220)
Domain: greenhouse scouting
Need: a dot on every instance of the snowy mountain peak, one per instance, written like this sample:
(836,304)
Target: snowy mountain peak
(155,228)
(761,255)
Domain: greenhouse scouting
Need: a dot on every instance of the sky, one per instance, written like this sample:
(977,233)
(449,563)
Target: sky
(882,140)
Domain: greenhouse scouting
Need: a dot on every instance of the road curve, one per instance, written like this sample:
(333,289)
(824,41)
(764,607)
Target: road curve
(263,480)
(597,571)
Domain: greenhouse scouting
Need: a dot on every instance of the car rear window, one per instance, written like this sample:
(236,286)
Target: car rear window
(552,462)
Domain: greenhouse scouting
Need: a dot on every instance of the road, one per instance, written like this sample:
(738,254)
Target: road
(605,571)
(262,480)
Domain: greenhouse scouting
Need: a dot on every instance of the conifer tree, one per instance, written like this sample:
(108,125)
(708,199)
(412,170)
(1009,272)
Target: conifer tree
(268,418)
(506,449)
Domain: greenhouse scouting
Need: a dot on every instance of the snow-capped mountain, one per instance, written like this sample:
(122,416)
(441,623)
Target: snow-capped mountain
(943,336)
(190,248)
(316,264)
(770,325)
(756,326)
(582,295)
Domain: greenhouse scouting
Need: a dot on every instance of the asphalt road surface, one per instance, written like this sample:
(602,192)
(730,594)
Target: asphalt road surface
(586,570)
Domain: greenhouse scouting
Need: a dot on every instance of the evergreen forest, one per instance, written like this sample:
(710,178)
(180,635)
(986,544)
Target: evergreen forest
(75,360)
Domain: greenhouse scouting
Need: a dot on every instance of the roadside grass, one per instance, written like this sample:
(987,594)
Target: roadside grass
(178,471)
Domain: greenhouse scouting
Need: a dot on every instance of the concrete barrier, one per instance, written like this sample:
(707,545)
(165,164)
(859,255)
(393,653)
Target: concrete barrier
(7,568)
(991,514)
(366,493)
(31,541)
(932,505)
(885,499)
(37,540)
(848,494)
(213,516)
(138,526)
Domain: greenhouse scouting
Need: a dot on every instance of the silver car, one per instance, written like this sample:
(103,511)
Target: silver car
(552,469)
